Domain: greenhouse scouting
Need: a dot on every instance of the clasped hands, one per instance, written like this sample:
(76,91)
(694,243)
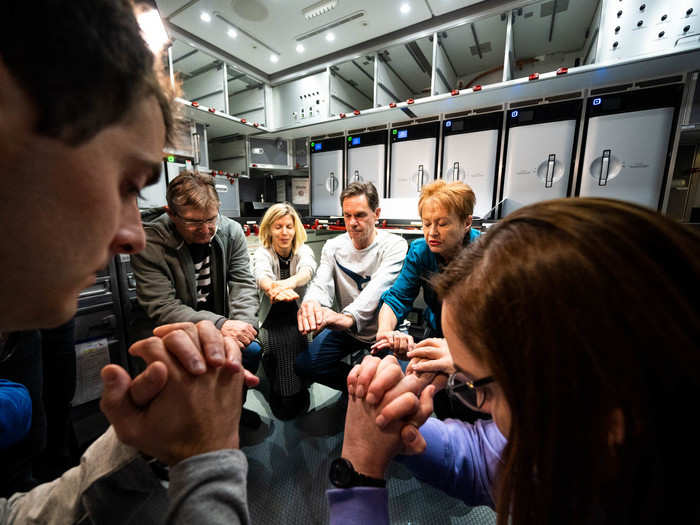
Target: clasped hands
(386,407)
(281,291)
(187,401)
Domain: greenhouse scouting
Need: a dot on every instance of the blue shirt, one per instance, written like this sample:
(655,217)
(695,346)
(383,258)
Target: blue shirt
(418,268)
(15,412)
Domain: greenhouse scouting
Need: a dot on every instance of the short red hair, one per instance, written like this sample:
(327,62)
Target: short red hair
(455,197)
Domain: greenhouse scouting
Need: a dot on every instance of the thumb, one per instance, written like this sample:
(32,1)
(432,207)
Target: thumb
(116,403)
(413,441)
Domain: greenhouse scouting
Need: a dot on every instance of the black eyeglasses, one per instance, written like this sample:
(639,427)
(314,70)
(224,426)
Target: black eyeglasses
(468,391)
(195,223)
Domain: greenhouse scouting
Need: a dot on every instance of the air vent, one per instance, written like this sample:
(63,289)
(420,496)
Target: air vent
(319,8)
(377,128)
(458,114)
(565,96)
(426,119)
(402,123)
(659,81)
(611,89)
(524,103)
(488,109)
(331,25)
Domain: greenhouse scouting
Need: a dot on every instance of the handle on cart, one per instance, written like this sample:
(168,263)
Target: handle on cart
(455,171)
(420,177)
(549,178)
(604,168)
(356,177)
(333,183)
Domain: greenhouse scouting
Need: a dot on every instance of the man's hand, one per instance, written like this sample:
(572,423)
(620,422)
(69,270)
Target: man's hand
(310,316)
(398,342)
(191,415)
(241,331)
(376,432)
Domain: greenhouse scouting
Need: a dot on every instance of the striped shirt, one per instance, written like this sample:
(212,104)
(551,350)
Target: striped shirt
(201,257)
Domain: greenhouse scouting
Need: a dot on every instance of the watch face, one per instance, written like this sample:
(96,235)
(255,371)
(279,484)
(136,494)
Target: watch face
(341,473)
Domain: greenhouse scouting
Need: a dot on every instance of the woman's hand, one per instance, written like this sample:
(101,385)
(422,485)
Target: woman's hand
(431,355)
(397,342)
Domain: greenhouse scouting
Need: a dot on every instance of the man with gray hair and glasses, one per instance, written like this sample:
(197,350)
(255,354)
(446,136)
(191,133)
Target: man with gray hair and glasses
(196,267)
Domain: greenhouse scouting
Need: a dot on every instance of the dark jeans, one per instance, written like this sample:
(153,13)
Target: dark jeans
(322,360)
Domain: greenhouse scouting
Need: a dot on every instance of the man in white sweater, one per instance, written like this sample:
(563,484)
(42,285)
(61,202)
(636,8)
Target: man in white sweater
(355,269)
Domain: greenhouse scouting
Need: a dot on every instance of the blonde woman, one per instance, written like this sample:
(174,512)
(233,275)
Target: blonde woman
(283,265)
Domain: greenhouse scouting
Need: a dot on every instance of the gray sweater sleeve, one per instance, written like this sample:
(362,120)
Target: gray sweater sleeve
(209,488)
(243,292)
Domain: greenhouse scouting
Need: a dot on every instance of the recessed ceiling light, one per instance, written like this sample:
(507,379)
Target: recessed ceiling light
(274,58)
(330,37)
(205,17)
(232,32)
(153,31)
(405,8)
(300,48)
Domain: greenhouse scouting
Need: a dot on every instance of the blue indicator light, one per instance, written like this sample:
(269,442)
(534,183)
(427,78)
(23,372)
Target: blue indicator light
(597,101)
(356,141)
(402,134)
(318,146)
(514,114)
(448,124)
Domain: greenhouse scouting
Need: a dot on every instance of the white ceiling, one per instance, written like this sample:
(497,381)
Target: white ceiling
(279,23)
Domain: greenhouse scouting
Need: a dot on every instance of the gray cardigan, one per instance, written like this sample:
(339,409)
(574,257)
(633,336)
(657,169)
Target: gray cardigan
(165,278)
(266,264)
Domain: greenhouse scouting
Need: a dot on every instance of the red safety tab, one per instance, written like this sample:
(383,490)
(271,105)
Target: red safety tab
(392,104)
(534,76)
(243,121)
(256,124)
(356,112)
(342,115)
(410,101)
(454,92)
(477,87)
(195,104)
(562,71)
(253,165)
(212,110)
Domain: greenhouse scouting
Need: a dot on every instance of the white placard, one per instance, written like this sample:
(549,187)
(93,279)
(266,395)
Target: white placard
(90,357)
(300,191)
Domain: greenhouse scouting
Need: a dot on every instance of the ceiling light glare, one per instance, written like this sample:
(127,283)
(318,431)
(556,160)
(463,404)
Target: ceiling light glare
(300,48)
(232,32)
(152,30)
(330,37)
(205,17)
(274,58)
(319,8)
(405,8)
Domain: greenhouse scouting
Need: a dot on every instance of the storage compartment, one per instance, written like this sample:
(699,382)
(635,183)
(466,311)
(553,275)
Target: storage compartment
(327,176)
(367,159)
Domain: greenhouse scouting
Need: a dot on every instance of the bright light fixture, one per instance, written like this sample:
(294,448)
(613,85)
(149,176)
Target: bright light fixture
(232,32)
(274,58)
(300,48)
(405,8)
(152,29)
(330,37)
(205,17)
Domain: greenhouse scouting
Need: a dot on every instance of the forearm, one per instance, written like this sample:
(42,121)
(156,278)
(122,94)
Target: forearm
(265,283)
(387,319)
(301,278)
(209,488)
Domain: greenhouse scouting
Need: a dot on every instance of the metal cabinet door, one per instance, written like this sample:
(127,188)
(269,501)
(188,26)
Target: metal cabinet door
(412,166)
(326,183)
(367,164)
(228,195)
(471,158)
(153,196)
(538,163)
(626,155)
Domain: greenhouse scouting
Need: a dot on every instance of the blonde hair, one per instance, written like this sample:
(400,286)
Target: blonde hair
(455,197)
(272,215)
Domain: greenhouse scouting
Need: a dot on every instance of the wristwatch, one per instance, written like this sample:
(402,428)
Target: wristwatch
(343,475)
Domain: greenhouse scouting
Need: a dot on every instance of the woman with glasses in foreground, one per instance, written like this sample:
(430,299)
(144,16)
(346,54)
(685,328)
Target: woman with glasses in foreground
(576,324)
(283,267)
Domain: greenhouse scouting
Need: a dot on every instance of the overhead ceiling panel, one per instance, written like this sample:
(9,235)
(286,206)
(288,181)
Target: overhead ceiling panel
(277,24)
(440,7)
(571,19)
